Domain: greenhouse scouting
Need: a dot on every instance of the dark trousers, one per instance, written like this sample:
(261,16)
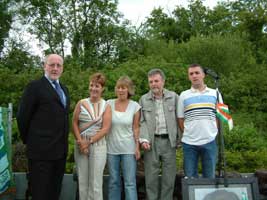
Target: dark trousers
(46,178)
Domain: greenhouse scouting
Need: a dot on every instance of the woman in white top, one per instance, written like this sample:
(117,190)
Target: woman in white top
(123,141)
(91,122)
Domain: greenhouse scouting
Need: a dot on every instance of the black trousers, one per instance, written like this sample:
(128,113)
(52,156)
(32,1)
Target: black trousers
(46,178)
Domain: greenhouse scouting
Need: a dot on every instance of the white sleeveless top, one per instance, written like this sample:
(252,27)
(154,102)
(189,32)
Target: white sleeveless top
(120,139)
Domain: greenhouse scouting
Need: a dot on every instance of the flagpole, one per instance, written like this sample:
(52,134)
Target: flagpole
(221,154)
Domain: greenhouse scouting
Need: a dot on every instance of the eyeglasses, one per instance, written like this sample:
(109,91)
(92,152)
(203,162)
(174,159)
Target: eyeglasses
(55,65)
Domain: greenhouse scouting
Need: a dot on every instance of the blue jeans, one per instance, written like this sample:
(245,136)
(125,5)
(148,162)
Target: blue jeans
(208,155)
(128,164)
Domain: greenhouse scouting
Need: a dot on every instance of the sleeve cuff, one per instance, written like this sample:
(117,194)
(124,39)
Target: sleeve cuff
(141,140)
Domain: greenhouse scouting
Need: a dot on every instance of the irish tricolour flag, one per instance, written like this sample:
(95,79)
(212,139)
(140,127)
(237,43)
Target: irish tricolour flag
(224,114)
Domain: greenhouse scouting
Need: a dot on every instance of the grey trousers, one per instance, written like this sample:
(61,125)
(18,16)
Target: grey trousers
(161,159)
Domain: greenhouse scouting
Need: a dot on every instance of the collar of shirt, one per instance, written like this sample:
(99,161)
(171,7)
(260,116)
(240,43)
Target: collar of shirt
(153,97)
(206,89)
(51,82)
(157,98)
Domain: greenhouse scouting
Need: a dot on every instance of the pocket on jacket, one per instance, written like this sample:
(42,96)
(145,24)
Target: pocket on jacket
(171,108)
(147,113)
(147,109)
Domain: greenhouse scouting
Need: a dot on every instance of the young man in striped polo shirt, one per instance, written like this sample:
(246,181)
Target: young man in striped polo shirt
(197,121)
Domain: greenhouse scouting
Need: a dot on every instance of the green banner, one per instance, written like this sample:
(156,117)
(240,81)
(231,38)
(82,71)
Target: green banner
(5,153)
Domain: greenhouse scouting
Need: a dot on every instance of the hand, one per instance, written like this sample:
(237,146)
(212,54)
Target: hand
(85,151)
(83,146)
(137,154)
(145,146)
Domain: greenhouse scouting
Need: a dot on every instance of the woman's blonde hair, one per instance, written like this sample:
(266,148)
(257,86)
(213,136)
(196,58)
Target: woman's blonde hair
(127,82)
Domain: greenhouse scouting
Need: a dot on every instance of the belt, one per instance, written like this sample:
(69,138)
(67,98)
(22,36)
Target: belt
(162,136)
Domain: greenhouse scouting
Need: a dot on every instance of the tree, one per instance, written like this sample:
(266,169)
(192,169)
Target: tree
(223,53)
(251,18)
(91,27)
(185,23)
(130,42)
(5,22)
(160,25)
(184,30)
(46,22)
(18,59)
(198,17)
(220,20)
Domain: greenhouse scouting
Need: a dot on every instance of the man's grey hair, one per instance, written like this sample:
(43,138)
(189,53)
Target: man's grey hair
(155,71)
(46,58)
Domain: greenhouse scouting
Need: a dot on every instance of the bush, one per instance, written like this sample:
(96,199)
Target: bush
(245,161)
(224,54)
(245,148)
(243,138)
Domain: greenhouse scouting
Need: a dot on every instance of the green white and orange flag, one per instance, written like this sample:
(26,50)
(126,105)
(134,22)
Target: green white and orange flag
(223,113)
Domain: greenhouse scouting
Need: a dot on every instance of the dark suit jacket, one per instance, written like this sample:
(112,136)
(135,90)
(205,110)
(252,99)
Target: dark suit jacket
(43,121)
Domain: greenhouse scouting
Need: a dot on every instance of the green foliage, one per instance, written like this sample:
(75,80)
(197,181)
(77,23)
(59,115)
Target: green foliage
(13,84)
(70,157)
(221,53)
(19,59)
(90,26)
(184,24)
(244,137)
(161,26)
(256,119)
(219,20)
(245,147)
(246,161)
(246,89)
(46,22)
(251,17)
(5,23)
(77,78)
(162,49)
(179,159)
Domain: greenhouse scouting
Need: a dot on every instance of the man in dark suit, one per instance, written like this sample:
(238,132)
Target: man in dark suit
(43,124)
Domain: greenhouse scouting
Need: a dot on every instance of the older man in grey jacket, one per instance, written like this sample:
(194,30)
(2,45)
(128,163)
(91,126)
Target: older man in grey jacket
(158,136)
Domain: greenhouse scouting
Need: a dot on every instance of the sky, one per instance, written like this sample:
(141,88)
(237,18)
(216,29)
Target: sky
(137,10)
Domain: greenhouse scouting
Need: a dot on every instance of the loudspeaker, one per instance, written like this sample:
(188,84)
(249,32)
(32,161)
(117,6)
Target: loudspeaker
(220,189)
